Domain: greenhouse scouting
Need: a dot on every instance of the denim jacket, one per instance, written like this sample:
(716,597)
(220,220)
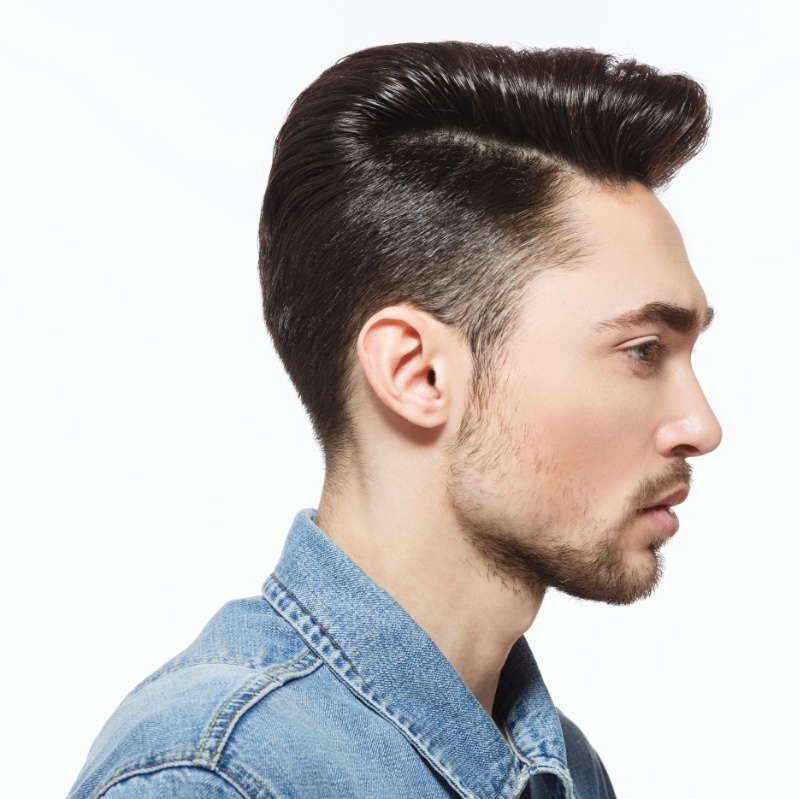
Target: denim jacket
(325,687)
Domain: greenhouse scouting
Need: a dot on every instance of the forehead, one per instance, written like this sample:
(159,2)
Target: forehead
(633,256)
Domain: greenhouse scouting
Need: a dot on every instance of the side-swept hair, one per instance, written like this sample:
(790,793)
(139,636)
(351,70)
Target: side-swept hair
(435,174)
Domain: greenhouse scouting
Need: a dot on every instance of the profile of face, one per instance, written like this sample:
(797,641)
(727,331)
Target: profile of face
(567,474)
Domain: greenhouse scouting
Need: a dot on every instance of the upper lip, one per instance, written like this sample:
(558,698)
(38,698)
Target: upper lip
(674,498)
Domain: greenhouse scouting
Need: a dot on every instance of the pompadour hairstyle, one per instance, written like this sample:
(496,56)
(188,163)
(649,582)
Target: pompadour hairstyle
(436,174)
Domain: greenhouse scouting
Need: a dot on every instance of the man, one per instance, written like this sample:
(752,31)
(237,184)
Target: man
(489,317)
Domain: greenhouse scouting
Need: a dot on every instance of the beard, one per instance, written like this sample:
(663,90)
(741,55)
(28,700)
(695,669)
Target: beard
(542,558)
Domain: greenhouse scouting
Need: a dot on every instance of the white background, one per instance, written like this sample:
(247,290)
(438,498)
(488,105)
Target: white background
(153,454)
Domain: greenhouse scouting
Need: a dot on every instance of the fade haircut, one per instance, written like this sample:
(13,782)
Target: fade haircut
(437,174)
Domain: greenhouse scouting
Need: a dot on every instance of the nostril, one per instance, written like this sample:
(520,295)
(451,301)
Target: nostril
(686,451)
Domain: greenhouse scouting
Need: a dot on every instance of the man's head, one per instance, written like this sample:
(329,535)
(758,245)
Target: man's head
(567,476)
(439,175)
(506,197)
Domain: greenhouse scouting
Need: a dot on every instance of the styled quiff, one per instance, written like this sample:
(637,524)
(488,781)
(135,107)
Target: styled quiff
(435,174)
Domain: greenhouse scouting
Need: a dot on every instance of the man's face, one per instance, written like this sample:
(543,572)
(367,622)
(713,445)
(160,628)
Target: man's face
(565,478)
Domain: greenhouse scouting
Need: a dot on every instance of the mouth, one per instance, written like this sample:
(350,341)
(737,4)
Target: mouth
(661,512)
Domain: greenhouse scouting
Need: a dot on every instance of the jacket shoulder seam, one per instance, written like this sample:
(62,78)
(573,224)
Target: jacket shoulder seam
(175,759)
(209,756)
(248,695)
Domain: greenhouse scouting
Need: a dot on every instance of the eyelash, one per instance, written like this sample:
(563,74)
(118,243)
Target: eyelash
(657,348)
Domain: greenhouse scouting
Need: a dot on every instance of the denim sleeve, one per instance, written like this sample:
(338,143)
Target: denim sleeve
(175,783)
(587,770)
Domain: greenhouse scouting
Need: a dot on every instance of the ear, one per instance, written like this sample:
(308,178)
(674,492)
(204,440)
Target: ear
(404,356)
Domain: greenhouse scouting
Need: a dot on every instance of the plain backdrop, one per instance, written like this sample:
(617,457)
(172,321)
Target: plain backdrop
(153,453)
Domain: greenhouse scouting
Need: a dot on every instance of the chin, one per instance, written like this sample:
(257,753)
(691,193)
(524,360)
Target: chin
(637,580)
(644,581)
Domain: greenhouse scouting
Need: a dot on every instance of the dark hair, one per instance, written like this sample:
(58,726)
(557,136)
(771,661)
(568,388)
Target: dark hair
(435,174)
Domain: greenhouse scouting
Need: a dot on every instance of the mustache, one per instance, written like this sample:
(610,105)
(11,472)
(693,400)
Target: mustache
(651,489)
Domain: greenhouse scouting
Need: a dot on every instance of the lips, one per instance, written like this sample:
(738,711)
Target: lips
(669,501)
(660,513)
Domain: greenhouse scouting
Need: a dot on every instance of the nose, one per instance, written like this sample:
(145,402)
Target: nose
(691,428)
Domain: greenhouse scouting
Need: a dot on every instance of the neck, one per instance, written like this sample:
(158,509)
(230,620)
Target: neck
(415,550)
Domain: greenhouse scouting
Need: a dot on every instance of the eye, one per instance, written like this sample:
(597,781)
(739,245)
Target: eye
(648,353)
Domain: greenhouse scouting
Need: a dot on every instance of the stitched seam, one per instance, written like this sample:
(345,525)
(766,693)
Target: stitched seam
(552,765)
(250,777)
(239,784)
(185,758)
(325,632)
(371,700)
(515,746)
(178,753)
(281,668)
(505,778)
(378,706)
(176,763)
(223,737)
(219,713)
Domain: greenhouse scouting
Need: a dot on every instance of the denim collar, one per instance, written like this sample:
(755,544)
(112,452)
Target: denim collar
(382,655)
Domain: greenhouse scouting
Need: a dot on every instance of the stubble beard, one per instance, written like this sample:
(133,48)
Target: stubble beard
(539,556)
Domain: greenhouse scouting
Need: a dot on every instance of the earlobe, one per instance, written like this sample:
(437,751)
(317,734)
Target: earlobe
(399,350)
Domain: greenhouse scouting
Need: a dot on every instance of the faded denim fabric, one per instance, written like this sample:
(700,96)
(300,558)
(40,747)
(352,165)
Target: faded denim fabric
(325,687)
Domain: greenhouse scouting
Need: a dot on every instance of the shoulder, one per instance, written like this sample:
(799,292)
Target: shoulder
(171,735)
(587,770)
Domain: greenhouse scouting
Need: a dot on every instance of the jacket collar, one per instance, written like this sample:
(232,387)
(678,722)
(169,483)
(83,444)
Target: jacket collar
(380,653)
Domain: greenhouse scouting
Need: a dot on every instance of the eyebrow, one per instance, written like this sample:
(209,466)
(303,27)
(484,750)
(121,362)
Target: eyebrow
(681,320)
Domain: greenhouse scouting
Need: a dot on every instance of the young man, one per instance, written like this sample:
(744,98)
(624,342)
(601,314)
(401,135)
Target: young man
(489,317)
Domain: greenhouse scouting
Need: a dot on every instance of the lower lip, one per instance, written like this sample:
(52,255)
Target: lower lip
(662,517)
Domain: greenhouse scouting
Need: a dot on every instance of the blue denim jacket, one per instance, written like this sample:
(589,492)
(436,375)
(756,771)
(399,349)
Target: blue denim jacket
(325,687)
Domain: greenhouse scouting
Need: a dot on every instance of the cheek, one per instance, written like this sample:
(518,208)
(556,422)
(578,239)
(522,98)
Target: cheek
(593,430)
